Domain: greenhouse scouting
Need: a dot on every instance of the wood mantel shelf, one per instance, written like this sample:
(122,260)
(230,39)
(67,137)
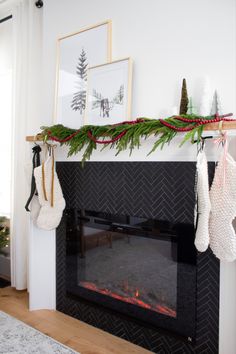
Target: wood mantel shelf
(208,127)
(225,126)
(34,138)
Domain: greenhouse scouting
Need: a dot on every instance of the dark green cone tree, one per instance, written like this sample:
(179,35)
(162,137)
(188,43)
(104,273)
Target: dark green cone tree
(183,109)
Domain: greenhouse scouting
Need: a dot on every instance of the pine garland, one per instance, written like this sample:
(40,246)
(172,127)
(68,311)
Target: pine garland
(128,135)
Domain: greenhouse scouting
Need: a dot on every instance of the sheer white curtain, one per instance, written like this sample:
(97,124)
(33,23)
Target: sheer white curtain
(26,94)
(5,115)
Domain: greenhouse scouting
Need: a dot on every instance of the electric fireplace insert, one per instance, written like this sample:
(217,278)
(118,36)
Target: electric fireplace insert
(135,266)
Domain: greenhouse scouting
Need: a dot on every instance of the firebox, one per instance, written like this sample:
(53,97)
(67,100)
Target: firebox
(134,265)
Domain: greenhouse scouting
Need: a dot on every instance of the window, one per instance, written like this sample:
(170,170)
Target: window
(6,51)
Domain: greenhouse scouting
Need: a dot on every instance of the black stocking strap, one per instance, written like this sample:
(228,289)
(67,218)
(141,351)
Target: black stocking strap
(36,162)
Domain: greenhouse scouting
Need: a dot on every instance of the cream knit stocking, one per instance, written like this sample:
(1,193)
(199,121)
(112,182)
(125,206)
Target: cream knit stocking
(35,208)
(203,203)
(49,194)
(223,211)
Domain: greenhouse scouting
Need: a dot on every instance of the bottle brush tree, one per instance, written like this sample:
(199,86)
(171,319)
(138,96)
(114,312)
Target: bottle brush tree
(216,104)
(184,99)
(191,107)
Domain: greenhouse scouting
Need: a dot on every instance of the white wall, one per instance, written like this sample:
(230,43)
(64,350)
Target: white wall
(168,40)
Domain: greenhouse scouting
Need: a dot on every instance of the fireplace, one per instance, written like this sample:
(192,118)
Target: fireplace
(133,265)
(126,260)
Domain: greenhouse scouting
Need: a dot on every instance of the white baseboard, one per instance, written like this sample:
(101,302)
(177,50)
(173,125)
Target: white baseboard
(5,266)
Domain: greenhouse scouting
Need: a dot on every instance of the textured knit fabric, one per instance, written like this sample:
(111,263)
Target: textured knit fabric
(49,216)
(223,209)
(34,208)
(203,203)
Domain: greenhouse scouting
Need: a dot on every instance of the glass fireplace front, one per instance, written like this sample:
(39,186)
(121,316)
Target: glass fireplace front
(139,267)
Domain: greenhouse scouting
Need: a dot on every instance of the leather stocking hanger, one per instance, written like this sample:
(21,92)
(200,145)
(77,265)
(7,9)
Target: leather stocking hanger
(35,162)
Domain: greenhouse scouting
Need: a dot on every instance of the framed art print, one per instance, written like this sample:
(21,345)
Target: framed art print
(76,52)
(109,93)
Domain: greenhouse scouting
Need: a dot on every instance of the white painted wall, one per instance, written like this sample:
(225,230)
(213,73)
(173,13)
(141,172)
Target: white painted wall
(168,40)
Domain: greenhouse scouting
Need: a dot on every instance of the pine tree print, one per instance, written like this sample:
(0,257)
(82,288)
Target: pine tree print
(119,96)
(79,97)
(97,97)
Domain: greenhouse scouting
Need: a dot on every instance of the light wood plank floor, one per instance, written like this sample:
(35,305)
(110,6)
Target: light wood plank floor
(67,330)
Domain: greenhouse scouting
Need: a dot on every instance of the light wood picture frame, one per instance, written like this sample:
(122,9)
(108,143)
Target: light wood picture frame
(75,53)
(109,93)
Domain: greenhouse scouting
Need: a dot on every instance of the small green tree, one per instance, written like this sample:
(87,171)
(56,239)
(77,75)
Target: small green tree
(4,232)
(184,99)
(79,97)
(191,107)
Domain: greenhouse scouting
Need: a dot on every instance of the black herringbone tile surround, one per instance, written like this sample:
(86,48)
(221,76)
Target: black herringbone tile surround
(161,190)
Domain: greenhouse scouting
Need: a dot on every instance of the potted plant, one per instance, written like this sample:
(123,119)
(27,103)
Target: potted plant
(4,234)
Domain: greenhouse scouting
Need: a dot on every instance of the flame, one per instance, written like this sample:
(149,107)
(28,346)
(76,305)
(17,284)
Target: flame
(160,308)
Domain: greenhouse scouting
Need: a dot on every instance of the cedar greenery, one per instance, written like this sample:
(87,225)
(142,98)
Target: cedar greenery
(132,139)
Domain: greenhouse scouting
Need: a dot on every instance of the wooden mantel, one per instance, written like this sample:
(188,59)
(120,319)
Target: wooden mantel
(208,127)
(34,138)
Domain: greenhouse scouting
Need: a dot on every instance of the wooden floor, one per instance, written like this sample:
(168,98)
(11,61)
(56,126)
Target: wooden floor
(67,330)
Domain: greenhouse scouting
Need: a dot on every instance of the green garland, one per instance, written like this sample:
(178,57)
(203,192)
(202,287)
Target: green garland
(143,128)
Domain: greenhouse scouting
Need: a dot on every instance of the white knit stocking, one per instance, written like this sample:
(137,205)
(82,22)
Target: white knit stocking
(223,211)
(35,208)
(51,201)
(203,203)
